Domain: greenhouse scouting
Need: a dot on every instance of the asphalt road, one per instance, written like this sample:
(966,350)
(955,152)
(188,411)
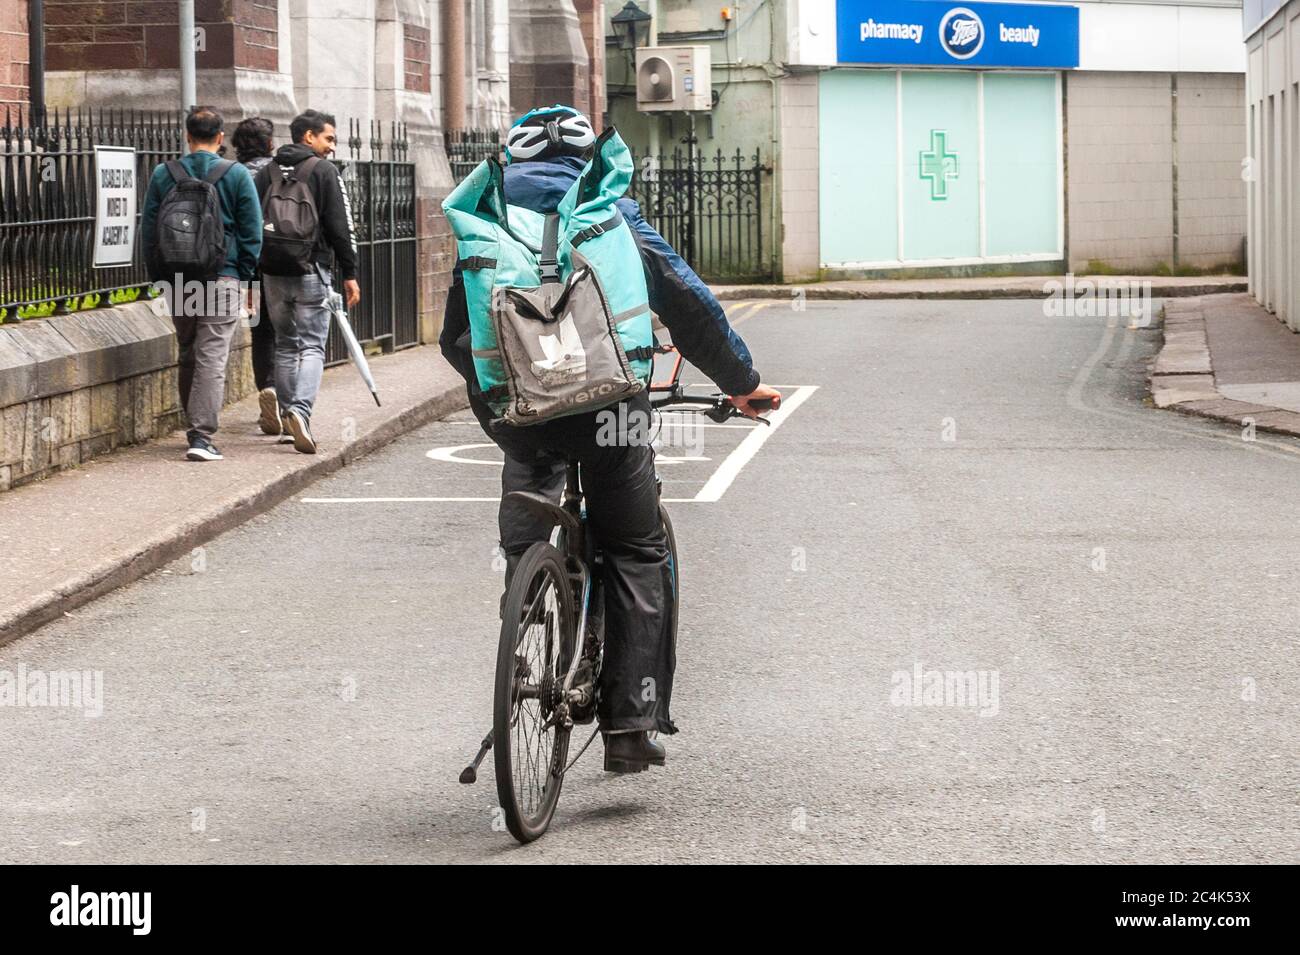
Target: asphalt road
(973,487)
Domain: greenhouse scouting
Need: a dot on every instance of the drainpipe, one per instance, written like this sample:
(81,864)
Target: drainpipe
(776,224)
(653,41)
(36,60)
(453,67)
(188,94)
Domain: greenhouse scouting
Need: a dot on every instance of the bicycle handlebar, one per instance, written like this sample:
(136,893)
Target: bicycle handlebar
(716,407)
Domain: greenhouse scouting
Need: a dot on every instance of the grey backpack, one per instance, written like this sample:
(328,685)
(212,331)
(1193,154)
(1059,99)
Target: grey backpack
(558,342)
(290,220)
(190,238)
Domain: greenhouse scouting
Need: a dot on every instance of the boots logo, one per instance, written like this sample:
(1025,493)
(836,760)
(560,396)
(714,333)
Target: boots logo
(961,32)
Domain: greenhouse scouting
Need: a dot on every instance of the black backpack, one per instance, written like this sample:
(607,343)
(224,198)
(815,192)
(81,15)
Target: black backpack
(190,237)
(290,220)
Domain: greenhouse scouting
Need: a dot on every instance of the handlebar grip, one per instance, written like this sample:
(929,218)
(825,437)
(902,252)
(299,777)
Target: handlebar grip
(765,404)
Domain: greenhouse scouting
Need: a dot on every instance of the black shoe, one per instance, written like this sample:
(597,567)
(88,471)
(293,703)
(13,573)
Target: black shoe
(201,449)
(632,752)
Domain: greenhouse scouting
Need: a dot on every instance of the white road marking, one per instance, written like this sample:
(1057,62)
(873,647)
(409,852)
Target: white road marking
(394,500)
(712,491)
(449,454)
(438,500)
(726,473)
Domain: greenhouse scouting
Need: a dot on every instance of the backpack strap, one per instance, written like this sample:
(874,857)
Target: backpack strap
(600,228)
(302,172)
(548,262)
(219,169)
(178,170)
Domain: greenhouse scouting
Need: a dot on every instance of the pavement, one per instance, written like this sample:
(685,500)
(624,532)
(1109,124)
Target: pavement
(970,489)
(1225,357)
(982,287)
(84,532)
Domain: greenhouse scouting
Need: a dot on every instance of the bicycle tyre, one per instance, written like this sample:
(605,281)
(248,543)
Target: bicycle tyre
(676,597)
(529,774)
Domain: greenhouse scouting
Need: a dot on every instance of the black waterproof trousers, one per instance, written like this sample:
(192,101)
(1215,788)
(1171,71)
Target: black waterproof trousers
(623,510)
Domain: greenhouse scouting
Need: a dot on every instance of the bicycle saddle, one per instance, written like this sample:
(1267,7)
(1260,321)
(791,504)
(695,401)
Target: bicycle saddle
(544,508)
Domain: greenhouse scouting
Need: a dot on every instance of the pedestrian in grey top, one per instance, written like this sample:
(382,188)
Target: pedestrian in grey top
(252,140)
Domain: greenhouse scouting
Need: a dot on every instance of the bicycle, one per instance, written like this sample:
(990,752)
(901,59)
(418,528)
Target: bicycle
(552,640)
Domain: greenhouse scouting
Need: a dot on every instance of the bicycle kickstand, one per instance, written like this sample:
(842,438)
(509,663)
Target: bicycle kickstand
(470,773)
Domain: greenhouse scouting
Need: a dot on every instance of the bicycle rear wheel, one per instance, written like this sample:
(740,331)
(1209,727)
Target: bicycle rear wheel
(530,744)
(675,598)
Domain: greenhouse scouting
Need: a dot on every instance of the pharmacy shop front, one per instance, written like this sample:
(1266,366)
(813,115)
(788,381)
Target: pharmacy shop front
(940,134)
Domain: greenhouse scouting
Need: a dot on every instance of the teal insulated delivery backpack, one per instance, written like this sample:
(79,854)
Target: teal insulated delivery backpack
(558,310)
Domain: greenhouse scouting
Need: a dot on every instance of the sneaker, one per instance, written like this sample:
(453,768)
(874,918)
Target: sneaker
(269,420)
(201,449)
(297,426)
(285,437)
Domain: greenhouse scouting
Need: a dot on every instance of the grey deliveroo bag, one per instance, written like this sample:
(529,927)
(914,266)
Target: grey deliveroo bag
(559,345)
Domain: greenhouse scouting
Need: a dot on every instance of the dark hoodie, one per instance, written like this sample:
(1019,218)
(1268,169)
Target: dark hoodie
(336,242)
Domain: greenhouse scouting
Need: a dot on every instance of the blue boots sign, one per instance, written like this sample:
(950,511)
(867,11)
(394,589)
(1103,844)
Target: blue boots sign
(934,33)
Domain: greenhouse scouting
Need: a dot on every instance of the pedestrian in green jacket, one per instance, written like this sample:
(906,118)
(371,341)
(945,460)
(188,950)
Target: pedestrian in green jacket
(206,317)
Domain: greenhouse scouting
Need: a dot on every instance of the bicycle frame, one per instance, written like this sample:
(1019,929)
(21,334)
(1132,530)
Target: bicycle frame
(577,555)
(581,552)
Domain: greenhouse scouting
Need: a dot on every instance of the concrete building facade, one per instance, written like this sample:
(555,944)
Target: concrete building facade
(1095,135)
(1272,36)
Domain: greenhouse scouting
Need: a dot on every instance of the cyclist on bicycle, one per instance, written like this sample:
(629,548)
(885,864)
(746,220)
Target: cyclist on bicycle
(546,150)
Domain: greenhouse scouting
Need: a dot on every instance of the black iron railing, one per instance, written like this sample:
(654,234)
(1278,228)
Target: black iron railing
(708,208)
(466,148)
(47,206)
(47,218)
(381,194)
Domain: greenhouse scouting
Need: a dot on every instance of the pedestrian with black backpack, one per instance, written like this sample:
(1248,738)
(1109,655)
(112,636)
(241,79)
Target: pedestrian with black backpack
(252,142)
(307,241)
(201,230)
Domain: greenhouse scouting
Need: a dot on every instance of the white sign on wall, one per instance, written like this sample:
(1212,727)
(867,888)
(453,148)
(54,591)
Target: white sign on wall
(114,206)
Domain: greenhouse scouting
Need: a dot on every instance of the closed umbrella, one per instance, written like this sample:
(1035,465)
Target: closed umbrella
(355,351)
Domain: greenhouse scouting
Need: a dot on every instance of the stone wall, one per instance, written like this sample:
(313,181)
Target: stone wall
(13,53)
(142,34)
(548,56)
(77,386)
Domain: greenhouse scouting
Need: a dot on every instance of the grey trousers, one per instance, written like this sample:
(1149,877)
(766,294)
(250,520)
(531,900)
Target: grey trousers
(298,308)
(203,336)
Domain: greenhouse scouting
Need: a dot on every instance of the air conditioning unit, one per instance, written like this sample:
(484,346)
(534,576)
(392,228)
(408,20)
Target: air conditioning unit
(673,78)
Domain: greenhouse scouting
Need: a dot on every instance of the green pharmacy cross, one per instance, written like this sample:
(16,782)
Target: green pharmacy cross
(938,165)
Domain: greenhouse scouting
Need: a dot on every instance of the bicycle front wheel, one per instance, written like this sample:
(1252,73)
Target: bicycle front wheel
(530,743)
